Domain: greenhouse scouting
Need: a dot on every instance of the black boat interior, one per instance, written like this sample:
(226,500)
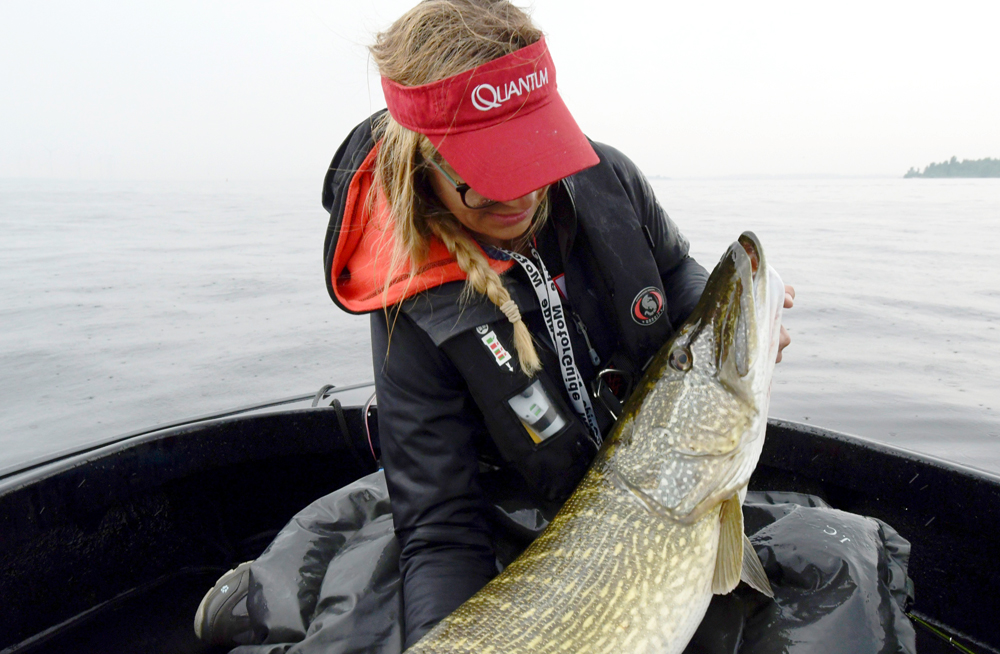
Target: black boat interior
(111,549)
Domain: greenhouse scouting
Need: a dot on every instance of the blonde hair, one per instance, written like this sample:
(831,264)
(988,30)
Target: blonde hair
(434,40)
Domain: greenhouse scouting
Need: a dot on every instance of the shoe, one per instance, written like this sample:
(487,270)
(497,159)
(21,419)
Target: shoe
(222,618)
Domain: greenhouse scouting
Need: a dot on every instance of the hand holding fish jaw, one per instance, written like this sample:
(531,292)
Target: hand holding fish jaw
(785,339)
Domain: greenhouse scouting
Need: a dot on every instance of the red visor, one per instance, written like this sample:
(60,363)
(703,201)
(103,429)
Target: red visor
(502,126)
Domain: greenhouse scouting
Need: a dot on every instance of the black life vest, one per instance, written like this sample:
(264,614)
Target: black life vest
(479,339)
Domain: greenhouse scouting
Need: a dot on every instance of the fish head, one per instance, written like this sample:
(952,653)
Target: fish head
(691,434)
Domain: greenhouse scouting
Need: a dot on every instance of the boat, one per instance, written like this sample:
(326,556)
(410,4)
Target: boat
(110,547)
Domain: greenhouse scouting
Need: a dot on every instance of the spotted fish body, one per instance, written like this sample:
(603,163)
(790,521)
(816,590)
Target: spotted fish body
(632,559)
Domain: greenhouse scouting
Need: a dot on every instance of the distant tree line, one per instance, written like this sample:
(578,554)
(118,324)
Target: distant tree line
(955,168)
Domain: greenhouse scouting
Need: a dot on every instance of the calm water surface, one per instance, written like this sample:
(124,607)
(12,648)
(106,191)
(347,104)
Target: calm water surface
(131,304)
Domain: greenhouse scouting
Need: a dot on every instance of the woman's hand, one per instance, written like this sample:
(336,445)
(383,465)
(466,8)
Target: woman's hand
(784,339)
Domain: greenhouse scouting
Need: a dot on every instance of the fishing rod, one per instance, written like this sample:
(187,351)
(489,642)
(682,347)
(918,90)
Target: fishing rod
(940,632)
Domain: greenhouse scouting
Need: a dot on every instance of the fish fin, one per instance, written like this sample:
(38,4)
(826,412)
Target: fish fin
(753,571)
(729,560)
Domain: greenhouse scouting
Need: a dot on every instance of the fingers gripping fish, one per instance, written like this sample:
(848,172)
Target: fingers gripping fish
(631,561)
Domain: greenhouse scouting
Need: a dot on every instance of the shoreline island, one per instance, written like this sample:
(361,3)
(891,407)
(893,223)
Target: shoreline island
(955,168)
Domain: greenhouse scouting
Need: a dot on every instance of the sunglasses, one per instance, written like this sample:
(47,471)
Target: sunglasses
(470,198)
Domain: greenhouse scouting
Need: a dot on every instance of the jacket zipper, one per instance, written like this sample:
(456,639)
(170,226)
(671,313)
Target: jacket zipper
(581,329)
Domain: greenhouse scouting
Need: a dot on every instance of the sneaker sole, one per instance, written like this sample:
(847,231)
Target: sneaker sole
(199,615)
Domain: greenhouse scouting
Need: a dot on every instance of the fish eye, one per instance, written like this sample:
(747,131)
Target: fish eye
(680,359)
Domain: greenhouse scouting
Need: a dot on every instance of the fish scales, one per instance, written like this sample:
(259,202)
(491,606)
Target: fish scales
(588,618)
(630,562)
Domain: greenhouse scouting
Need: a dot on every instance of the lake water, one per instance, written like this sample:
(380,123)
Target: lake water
(128,304)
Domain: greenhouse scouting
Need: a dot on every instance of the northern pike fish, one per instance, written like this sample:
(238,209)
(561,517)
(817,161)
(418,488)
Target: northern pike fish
(630,562)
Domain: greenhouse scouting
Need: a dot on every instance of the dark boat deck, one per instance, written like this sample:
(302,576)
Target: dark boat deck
(111,549)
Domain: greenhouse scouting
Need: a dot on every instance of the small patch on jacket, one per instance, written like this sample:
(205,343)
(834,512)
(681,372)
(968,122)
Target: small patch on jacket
(493,344)
(560,281)
(647,306)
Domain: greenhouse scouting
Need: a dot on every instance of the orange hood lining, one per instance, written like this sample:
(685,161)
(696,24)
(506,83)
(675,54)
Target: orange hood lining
(362,260)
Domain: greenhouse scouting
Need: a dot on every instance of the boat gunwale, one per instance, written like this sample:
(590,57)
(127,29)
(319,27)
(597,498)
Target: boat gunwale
(104,446)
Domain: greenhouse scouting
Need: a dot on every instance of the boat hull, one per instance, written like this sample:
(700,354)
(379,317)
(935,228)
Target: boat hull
(111,548)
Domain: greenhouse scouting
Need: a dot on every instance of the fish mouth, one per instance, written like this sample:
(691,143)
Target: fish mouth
(734,312)
(751,245)
(727,310)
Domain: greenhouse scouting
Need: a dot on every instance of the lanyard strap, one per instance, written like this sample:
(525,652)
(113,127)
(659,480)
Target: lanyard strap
(558,327)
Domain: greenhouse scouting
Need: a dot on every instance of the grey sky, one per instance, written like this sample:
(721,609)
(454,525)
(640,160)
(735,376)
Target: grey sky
(258,90)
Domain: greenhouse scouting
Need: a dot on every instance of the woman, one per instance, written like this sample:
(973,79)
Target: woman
(518,278)
(456,218)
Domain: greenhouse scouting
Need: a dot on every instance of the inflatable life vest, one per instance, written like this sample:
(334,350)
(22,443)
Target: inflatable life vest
(610,271)
(534,429)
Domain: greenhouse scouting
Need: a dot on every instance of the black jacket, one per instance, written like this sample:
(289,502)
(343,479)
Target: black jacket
(433,434)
